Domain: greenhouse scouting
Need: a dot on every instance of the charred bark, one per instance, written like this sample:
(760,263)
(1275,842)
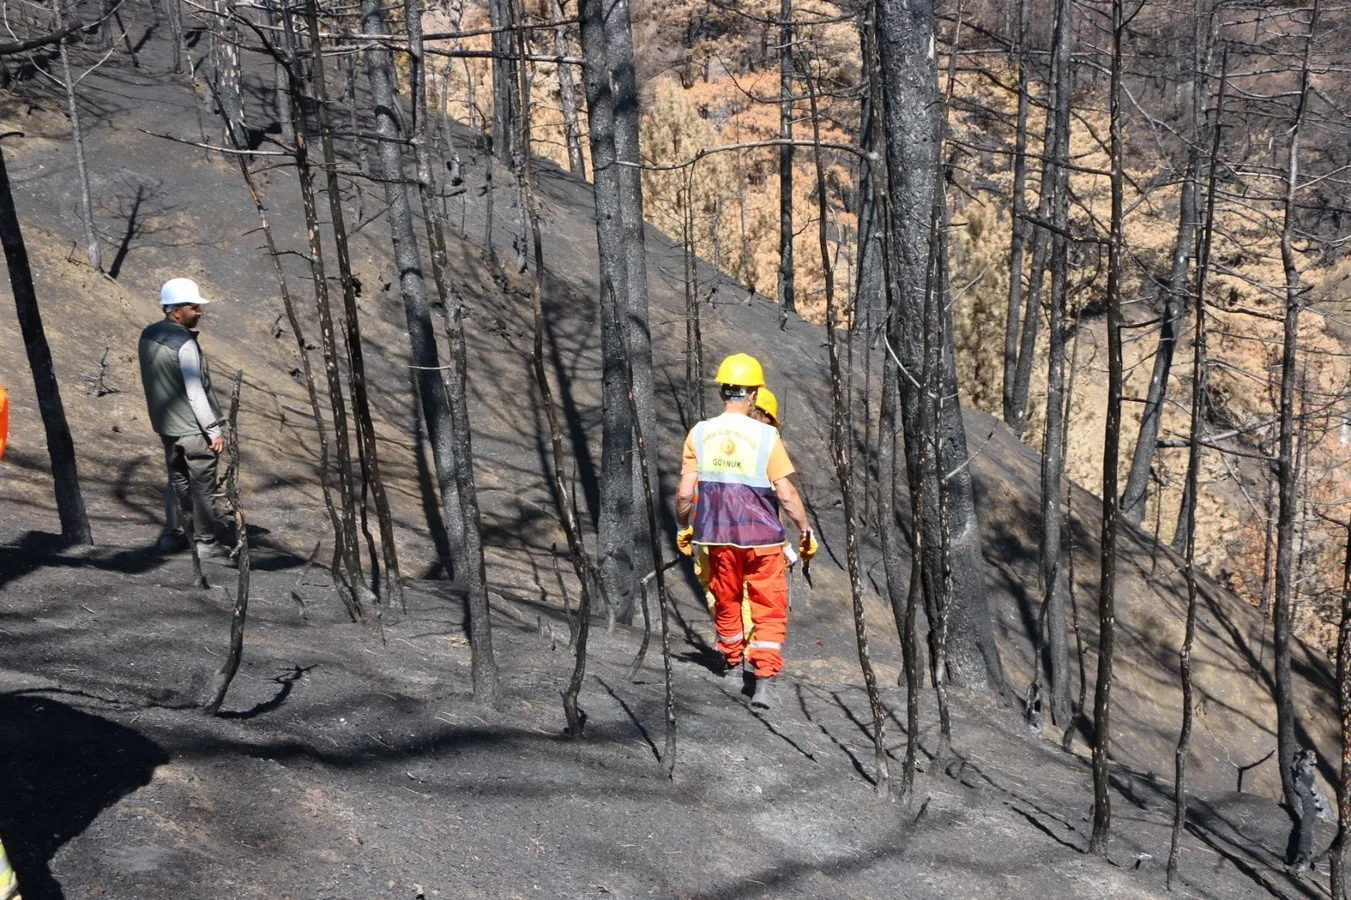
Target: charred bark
(361,409)
(1102,701)
(1053,641)
(615,531)
(220,682)
(451,470)
(911,127)
(785,284)
(1018,240)
(60,448)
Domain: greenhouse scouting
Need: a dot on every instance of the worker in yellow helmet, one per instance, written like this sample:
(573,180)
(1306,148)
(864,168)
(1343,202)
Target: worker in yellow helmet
(766,410)
(739,471)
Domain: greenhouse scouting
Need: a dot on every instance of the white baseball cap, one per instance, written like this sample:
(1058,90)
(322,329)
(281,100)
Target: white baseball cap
(178,291)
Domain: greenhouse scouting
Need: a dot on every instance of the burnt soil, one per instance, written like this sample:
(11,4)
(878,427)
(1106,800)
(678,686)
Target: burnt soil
(350,759)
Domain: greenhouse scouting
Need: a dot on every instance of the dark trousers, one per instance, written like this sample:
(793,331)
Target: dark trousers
(192,481)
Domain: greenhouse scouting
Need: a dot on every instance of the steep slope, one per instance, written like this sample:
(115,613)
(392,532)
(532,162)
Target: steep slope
(172,210)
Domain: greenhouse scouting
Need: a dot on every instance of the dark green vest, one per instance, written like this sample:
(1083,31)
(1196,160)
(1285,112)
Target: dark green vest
(166,395)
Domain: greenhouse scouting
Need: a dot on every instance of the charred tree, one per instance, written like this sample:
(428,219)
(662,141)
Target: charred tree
(1287,463)
(220,682)
(786,275)
(388,164)
(60,447)
(1193,477)
(1018,239)
(615,532)
(356,365)
(567,95)
(347,549)
(633,295)
(93,248)
(842,450)
(455,377)
(1053,639)
(1174,306)
(1102,700)
(506,88)
(912,136)
(1338,850)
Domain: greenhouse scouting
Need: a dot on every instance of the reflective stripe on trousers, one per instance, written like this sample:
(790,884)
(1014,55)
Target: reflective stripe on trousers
(761,573)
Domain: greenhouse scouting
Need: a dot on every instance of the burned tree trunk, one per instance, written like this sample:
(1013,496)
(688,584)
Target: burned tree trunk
(1193,476)
(356,365)
(346,549)
(506,91)
(93,248)
(1287,464)
(786,274)
(633,295)
(60,447)
(1338,850)
(455,376)
(1102,701)
(1053,638)
(466,548)
(1018,240)
(615,531)
(911,126)
(1174,305)
(567,95)
(220,682)
(843,453)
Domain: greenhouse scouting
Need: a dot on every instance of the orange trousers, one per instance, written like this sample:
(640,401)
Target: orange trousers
(761,573)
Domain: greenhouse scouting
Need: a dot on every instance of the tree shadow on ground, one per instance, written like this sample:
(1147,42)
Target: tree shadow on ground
(64,768)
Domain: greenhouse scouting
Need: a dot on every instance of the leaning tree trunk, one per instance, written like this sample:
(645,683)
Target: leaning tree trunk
(911,127)
(346,544)
(1174,305)
(60,447)
(388,164)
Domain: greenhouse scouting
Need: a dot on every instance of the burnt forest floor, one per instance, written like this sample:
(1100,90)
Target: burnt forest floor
(351,760)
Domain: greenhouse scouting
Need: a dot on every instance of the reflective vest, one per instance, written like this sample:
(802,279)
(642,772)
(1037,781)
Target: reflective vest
(737,505)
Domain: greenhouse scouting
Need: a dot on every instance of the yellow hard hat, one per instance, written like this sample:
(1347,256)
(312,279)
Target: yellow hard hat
(767,403)
(740,370)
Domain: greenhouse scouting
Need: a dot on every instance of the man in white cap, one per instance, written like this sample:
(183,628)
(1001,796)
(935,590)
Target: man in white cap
(185,414)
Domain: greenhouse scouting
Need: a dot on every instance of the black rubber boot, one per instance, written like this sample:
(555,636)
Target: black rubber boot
(764,696)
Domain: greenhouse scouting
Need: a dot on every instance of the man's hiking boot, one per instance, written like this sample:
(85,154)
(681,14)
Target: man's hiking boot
(765,696)
(171,542)
(212,550)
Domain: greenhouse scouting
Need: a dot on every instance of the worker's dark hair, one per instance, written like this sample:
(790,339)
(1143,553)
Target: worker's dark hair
(730,392)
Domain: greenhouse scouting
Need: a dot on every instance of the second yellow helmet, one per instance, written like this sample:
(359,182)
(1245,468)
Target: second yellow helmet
(767,403)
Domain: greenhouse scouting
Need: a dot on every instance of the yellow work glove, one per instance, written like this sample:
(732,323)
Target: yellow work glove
(685,540)
(806,545)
